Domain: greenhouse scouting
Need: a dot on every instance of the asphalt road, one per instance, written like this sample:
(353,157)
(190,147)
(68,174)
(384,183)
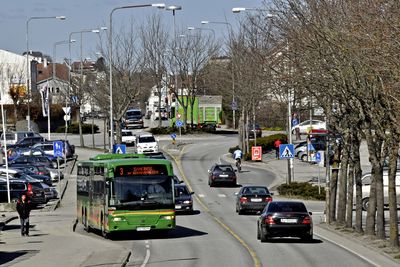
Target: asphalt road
(215,235)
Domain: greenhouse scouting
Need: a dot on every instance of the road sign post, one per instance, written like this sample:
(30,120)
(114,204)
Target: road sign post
(179,124)
(286,151)
(256,153)
(58,152)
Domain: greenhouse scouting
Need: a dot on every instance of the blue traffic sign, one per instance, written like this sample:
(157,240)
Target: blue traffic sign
(58,148)
(179,123)
(173,136)
(286,151)
(317,157)
(119,149)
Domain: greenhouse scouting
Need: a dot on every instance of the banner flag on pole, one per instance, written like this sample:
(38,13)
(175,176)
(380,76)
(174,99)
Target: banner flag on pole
(44,93)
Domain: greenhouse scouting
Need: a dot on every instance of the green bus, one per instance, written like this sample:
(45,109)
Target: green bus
(125,192)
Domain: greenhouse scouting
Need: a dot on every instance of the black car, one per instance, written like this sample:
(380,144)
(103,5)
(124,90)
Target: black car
(183,198)
(43,160)
(34,167)
(252,198)
(209,126)
(17,188)
(285,219)
(221,173)
(27,142)
(256,129)
(25,174)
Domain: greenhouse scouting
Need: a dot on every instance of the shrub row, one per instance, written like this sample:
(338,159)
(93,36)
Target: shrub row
(301,189)
(74,128)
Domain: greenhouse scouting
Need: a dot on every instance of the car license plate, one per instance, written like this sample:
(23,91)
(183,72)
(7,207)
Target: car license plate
(177,207)
(256,199)
(142,229)
(224,175)
(289,220)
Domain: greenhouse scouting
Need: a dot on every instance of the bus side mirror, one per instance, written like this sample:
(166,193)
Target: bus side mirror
(107,184)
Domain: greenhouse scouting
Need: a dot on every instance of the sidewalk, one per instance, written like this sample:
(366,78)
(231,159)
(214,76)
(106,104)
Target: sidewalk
(52,240)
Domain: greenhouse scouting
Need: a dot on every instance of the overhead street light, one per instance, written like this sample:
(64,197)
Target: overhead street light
(157,5)
(28,73)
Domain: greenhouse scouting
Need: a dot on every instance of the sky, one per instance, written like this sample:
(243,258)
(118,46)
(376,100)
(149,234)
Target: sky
(89,14)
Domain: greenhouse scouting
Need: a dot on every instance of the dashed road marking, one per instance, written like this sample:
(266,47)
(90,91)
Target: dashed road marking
(201,195)
(221,195)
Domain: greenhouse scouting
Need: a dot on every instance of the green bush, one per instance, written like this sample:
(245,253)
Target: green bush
(273,129)
(267,142)
(163,130)
(301,189)
(74,128)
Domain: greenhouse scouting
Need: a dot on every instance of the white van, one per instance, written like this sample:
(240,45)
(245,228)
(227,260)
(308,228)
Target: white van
(366,187)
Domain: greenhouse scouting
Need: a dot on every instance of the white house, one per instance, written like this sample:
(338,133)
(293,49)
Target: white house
(13,71)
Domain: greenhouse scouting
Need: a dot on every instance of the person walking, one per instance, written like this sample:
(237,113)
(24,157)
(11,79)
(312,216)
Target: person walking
(24,209)
(277,143)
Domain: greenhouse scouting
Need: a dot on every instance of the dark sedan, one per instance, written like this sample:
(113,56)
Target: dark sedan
(252,199)
(221,173)
(183,198)
(42,160)
(285,219)
(257,130)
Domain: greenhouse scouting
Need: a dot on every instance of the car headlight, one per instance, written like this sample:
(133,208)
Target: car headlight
(187,202)
(167,217)
(118,219)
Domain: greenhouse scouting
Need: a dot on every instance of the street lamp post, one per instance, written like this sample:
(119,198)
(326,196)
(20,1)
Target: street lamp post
(54,79)
(28,78)
(200,29)
(234,106)
(174,8)
(111,61)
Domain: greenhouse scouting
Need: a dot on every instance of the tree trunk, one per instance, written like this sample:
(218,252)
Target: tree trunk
(159,108)
(350,189)
(341,213)
(357,181)
(380,208)
(333,183)
(393,215)
(80,127)
(118,134)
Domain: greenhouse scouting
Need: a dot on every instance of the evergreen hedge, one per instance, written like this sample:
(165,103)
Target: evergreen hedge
(301,189)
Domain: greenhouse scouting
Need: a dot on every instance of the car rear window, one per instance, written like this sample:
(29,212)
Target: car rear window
(256,191)
(225,168)
(286,207)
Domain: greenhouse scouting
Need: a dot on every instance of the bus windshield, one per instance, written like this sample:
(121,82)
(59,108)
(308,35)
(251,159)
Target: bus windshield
(141,192)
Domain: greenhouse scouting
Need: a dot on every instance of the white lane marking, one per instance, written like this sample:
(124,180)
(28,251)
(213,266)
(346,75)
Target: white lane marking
(147,246)
(147,241)
(221,195)
(318,212)
(349,250)
(146,259)
(201,195)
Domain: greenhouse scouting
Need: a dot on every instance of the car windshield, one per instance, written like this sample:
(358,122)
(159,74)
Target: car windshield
(141,191)
(286,207)
(127,133)
(181,191)
(133,113)
(147,139)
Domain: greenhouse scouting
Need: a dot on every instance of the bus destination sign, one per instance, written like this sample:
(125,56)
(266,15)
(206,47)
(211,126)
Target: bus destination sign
(129,170)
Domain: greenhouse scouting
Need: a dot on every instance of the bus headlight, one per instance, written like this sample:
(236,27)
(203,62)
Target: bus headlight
(118,219)
(167,217)
(187,202)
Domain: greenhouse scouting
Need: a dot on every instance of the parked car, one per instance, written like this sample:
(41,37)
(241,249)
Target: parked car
(183,198)
(22,173)
(36,168)
(27,142)
(68,149)
(285,219)
(256,129)
(305,126)
(43,160)
(45,147)
(146,143)
(17,188)
(252,198)
(366,188)
(209,126)
(13,137)
(221,173)
(160,114)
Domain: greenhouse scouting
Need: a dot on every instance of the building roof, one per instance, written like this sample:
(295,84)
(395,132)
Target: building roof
(210,99)
(45,71)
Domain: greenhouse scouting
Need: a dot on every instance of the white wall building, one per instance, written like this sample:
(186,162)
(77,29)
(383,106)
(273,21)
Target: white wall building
(12,73)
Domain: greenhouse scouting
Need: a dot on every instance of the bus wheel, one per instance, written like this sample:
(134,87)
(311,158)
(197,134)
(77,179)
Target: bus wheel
(86,224)
(103,230)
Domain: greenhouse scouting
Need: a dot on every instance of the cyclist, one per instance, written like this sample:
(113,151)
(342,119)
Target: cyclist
(238,154)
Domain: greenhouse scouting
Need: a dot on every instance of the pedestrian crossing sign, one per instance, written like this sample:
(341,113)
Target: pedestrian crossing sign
(286,151)
(119,149)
